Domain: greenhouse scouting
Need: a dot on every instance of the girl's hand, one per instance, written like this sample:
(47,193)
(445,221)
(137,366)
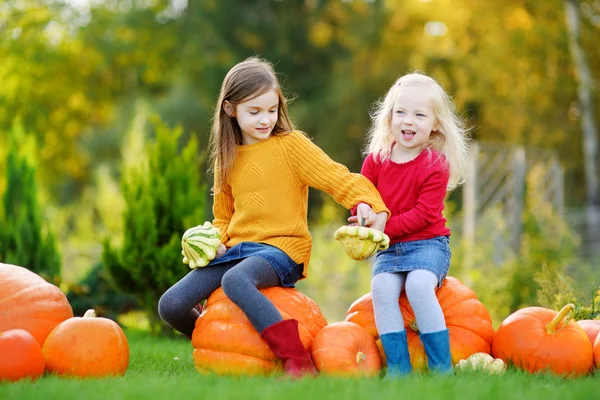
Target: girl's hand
(222,249)
(365,216)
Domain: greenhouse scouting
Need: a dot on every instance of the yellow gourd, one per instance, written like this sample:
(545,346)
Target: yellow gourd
(361,242)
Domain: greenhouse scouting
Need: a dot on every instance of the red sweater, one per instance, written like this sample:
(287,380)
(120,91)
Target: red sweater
(414,192)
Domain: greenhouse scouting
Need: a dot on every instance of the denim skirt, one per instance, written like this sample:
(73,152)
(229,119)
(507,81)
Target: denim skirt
(288,270)
(432,255)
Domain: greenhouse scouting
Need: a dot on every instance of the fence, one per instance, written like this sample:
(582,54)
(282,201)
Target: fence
(497,176)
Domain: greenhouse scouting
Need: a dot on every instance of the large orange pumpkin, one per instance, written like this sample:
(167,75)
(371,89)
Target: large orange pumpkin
(591,328)
(225,342)
(346,349)
(29,302)
(467,320)
(87,347)
(596,351)
(537,339)
(20,356)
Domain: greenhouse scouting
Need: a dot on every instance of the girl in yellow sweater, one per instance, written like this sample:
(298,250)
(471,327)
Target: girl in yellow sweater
(262,169)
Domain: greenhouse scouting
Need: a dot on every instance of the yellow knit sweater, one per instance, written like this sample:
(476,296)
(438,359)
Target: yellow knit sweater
(265,199)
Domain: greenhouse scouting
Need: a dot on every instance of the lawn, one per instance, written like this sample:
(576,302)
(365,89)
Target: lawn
(162,368)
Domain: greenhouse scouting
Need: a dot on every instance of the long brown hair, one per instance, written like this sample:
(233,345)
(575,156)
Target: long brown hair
(247,80)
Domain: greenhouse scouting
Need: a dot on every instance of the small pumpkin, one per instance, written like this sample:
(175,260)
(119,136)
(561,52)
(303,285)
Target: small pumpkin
(29,302)
(481,362)
(20,356)
(226,343)
(87,346)
(361,242)
(538,339)
(591,328)
(346,349)
(199,245)
(467,319)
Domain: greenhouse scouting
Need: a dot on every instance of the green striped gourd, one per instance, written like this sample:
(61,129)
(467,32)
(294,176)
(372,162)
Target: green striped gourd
(361,242)
(200,244)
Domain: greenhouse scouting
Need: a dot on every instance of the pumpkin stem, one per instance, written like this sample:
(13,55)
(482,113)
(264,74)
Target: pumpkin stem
(413,326)
(90,313)
(551,327)
(360,357)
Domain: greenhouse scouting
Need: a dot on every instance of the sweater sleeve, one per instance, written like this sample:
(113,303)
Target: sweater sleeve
(223,211)
(314,168)
(430,199)
(369,171)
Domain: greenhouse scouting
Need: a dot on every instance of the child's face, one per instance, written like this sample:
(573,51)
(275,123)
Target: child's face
(258,116)
(412,119)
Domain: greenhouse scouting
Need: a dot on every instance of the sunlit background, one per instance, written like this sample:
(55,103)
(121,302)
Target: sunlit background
(105,109)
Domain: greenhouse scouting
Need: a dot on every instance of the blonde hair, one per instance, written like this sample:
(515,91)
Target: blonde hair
(247,80)
(451,138)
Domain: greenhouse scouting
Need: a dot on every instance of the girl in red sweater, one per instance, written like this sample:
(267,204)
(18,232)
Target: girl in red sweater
(417,150)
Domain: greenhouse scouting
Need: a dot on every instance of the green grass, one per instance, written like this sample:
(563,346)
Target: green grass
(154,373)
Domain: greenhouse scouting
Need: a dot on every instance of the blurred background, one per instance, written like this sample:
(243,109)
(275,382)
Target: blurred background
(105,111)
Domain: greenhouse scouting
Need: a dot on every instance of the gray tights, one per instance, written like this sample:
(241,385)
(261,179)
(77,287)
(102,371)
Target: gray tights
(240,281)
(420,286)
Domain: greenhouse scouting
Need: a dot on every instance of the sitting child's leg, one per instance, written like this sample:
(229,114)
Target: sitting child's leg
(420,290)
(386,289)
(176,305)
(241,285)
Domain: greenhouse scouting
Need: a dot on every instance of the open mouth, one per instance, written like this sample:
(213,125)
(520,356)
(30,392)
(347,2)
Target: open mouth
(408,134)
(264,130)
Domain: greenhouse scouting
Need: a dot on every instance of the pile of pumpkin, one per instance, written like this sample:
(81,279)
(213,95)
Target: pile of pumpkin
(532,339)
(38,332)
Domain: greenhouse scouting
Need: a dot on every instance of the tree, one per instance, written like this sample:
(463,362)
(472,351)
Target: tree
(22,238)
(588,121)
(163,199)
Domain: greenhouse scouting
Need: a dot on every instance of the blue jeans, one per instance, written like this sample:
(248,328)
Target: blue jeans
(432,255)
(287,269)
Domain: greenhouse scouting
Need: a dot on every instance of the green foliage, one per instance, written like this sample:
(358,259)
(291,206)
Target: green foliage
(97,291)
(506,282)
(163,199)
(24,240)
(547,242)
(561,290)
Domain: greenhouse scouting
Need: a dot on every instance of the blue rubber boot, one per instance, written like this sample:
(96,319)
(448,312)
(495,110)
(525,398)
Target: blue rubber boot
(437,348)
(395,346)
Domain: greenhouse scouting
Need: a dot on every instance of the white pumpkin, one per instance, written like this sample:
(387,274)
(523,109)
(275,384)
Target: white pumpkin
(481,362)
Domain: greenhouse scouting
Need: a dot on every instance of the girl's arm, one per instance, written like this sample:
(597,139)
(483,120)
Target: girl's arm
(315,168)
(222,211)
(429,205)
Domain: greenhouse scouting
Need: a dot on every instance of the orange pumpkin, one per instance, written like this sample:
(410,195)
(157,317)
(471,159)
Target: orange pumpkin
(537,339)
(596,352)
(87,347)
(346,349)
(20,356)
(225,342)
(591,328)
(29,302)
(467,320)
